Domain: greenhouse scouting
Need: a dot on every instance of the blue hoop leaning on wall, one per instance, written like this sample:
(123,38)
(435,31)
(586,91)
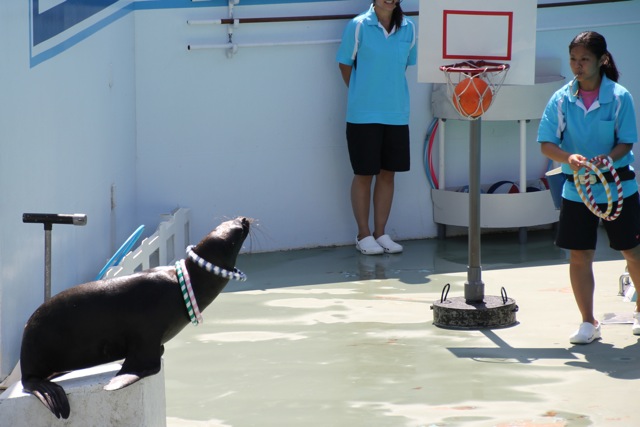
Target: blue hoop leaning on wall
(120,253)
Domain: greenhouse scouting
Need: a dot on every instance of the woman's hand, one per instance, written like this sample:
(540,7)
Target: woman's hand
(576,161)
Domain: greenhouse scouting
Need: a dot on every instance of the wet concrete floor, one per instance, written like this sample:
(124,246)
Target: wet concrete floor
(329,337)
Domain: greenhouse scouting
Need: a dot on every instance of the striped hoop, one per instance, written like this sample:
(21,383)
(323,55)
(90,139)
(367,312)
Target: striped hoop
(211,268)
(589,200)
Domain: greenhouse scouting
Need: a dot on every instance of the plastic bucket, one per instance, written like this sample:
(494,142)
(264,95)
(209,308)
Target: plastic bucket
(555,178)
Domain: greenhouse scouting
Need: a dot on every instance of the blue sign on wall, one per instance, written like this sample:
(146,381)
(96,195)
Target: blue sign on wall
(49,22)
(56,25)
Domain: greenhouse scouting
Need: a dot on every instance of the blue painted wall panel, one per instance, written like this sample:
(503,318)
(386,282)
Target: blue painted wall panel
(57,19)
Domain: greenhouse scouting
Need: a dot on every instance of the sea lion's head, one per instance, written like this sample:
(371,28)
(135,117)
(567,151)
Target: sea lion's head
(222,246)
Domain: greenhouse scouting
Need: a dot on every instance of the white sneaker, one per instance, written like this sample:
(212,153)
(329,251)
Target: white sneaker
(368,246)
(636,323)
(389,245)
(585,334)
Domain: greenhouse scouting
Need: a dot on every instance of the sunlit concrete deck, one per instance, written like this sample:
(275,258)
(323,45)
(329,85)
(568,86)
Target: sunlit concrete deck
(329,337)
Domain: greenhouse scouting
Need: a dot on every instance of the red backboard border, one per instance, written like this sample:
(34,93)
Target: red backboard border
(447,13)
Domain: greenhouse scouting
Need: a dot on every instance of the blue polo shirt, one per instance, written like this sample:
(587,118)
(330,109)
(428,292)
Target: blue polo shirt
(610,120)
(378,90)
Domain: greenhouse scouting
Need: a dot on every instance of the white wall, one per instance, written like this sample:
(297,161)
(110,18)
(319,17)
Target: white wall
(259,134)
(67,129)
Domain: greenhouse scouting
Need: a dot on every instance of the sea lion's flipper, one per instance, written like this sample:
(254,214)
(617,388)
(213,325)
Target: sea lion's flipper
(135,368)
(121,381)
(50,394)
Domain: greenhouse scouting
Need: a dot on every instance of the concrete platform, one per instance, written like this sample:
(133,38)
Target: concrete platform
(139,405)
(329,337)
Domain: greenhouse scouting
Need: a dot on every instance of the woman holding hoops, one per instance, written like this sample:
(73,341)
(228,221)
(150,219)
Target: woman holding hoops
(591,121)
(377,46)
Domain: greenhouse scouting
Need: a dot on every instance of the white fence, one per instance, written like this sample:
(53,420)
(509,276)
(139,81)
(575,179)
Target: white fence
(164,247)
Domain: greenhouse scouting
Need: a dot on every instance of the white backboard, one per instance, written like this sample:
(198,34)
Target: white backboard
(501,31)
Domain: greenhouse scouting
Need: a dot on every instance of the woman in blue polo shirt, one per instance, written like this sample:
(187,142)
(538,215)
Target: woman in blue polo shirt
(377,46)
(593,117)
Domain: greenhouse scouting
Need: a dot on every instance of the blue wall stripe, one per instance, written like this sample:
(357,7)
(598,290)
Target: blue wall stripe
(63,16)
(79,36)
(180,4)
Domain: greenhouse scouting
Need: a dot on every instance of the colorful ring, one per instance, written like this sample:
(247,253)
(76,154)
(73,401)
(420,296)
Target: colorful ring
(589,200)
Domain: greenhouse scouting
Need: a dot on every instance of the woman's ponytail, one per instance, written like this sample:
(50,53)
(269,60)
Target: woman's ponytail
(609,68)
(397,16)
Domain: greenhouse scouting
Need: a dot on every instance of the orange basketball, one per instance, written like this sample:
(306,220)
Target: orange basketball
(472,97)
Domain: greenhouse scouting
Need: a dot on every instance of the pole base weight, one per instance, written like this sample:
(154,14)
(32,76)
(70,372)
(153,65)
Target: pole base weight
(491,312)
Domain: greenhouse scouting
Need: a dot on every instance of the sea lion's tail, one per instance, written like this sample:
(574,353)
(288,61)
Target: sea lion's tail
(50,394)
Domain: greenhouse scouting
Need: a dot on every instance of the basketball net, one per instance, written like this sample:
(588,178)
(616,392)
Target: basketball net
(473,85)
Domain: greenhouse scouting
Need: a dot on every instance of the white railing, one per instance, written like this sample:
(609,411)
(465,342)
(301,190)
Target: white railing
(164,247)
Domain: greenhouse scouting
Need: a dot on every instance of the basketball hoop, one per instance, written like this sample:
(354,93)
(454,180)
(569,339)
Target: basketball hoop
(472,86)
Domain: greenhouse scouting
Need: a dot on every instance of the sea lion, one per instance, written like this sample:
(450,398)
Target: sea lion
(128,318)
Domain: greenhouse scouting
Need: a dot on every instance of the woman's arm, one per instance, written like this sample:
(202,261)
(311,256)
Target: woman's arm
(345,70)
(557,154)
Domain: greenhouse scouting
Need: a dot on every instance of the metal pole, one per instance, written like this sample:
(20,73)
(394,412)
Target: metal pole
(47,261)
(48,220)
(473,287)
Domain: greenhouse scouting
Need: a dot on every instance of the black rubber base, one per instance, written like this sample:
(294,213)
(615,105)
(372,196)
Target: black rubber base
(491,312)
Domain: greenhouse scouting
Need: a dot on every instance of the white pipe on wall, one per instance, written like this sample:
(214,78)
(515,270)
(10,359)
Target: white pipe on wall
(594,25)
(235,46)
(204,21)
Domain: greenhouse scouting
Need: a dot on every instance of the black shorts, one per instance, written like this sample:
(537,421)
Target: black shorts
(374,146)
(578,226)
